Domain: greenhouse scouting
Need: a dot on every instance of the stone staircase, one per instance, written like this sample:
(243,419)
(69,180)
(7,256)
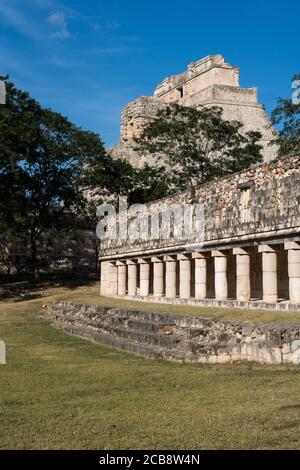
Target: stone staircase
(145,333)
(181,338)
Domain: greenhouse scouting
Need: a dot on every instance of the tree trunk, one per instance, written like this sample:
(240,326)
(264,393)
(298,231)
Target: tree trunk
(34,259)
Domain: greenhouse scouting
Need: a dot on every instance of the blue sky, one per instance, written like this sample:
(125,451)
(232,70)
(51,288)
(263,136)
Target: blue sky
(87,59)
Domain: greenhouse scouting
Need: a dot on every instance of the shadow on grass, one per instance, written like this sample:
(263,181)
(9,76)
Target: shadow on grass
(24,287)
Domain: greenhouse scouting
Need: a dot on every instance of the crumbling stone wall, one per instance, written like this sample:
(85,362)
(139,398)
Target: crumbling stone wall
(207,82)
(246,207)
(180,338)
(136,115)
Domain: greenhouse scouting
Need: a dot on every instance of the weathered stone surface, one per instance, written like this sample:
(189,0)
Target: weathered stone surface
(207,82)
(271,203)
(180,338)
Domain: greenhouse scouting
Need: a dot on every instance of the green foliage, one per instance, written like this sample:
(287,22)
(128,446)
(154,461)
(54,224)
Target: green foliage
(140,185)
(45,164)
(149,185)
(286,116)
(194,146)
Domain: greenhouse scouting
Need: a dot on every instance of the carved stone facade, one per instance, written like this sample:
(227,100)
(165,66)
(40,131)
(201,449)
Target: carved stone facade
(208,82)
(248,251)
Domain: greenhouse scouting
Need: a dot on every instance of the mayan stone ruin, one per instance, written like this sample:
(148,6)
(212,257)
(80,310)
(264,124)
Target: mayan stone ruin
(179,338)
(248,252)
(207,82)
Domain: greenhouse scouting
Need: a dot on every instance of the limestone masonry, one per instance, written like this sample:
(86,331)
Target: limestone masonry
(248,253)
(180,338)
(208,82)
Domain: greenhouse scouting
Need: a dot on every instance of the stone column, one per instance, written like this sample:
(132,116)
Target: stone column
(184,276)
(103,277)
(200,275)
(243,288)
(121,266)
(221,285)
(170,277)
(111,278)
(294,270)
(158,276)
(269,263)
(144,277)
(132,277)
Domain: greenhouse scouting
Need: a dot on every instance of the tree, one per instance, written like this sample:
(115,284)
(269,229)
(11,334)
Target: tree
(286,116)
(140,185)
(45,164)
(148,185)
(193,146)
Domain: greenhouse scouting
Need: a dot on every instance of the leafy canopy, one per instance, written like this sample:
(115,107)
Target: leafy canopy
(46,164)
(193,146)
(286,116)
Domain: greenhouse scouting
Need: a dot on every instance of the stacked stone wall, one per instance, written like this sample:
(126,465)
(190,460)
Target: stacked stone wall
(260,203)
(180,338)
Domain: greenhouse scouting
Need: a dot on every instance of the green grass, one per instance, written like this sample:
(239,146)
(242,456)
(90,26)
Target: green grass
(91,295)
(87,292)
(62,392)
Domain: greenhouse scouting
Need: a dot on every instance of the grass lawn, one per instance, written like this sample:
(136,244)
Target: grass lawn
(62,392)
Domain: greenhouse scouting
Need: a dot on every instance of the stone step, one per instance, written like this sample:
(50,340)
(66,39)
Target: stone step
(181,338)
(110,323)
(107,339)
(149,326)
(146,350)
(144,337)
(163,318)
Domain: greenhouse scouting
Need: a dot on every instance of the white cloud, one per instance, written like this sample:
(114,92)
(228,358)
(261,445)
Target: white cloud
(57,18)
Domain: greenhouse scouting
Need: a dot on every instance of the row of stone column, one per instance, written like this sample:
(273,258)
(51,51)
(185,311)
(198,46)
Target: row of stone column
(243,287)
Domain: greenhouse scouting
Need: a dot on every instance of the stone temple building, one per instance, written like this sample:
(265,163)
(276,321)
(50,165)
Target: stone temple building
(247,255)
(208,82)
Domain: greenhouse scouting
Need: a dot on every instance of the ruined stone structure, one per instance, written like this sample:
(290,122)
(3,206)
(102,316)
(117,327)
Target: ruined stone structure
(208,82)
(180,338)
(248,252)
